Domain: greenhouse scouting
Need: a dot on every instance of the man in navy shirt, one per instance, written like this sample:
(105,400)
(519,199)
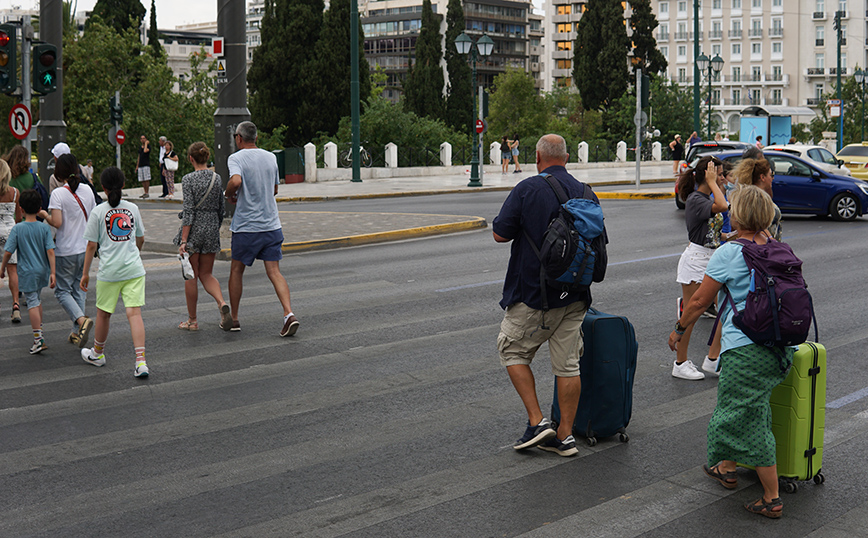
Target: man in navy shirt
(530,207)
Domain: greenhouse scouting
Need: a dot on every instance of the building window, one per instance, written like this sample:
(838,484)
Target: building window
(756,50)
(682,74)
(756,73)
(755,97)
(564,27)
(716,4)
(736,4)
(664,50)
(777,72)
(736,49)
(776,97)
(736,97)
(818,91)
(564,45)
(820,60)
(564,10)
(715,50)
(682,8)
(756,5)
(736,74)
(564,64)
(664,8)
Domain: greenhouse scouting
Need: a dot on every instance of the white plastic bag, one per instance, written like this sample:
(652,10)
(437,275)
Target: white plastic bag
(186,268)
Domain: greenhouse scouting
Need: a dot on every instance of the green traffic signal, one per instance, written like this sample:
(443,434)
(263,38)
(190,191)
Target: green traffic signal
(8,59)
(44,68)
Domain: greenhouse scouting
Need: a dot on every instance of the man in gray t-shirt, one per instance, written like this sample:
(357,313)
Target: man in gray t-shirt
(256,229)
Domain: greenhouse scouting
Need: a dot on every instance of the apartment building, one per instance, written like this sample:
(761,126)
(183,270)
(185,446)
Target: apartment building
(536,49)
(775,52)
(391,28)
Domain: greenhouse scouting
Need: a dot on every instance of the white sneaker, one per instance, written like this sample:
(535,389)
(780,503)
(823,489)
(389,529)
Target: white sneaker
(141,369)
(89,357)
(686,370)
(710,365)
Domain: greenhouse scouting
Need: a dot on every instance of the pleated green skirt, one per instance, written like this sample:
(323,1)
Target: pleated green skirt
(740,429)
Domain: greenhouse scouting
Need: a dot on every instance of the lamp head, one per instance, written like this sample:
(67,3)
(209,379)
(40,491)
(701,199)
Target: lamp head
(463,44)
(485,46)
(702,62)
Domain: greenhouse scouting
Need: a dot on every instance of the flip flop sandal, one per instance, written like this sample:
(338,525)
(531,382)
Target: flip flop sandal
(189,325)
(728,480)
(763,508)
(16,313)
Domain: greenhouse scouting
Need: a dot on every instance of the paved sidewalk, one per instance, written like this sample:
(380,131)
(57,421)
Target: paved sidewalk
(306,230)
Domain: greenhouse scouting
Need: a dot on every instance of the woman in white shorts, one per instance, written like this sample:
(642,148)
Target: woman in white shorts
(704,222)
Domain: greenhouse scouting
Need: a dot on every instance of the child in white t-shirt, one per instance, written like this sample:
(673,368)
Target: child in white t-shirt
(116,227)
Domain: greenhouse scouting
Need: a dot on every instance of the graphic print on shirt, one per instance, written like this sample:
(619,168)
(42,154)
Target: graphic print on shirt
(119,224)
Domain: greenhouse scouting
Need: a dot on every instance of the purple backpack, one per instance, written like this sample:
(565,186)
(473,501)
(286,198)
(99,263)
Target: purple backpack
(778,310)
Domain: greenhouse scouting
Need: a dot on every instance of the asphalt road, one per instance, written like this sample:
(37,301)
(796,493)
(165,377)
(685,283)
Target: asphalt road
(389,415)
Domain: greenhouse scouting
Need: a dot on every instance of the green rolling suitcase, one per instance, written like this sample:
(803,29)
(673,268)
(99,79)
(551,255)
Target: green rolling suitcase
(799,416)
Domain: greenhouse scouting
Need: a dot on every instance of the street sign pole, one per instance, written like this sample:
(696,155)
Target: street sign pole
(481,152)
(638,124)
(26,41)
(117,146)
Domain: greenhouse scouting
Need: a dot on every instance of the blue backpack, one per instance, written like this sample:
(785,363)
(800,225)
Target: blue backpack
(573,251)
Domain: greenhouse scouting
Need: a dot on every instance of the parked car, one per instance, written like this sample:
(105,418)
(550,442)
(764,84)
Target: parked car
(855,157)
(801,187)
(701,149)
(820,156)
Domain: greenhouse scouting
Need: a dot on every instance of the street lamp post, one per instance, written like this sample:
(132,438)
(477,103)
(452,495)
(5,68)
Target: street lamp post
(860,77)
(482,47)
(710,68)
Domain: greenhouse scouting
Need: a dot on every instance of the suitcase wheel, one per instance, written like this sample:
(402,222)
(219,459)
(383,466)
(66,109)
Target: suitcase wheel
(788,486)
(819,479)
(624,437)
(592,441)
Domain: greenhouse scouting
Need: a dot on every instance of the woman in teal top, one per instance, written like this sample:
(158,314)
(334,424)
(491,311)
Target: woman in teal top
(740,427)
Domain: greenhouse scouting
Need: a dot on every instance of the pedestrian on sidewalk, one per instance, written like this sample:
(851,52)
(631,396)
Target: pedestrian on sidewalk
(515,153)
(505,154)
(256,229)
(677,149)
(68,210)
(524,217)
(31,240)
(143,165)
(116,228)
(10,213)
(169,175)
(200,234)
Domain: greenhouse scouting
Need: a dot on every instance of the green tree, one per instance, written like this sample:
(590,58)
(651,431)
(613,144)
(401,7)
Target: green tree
(672,108)
(851,108)
(515,107)
(643,22)
(323,110)
(459,102)
(423,85)
(69,7)
(599,61)
(569,118)
(154,34)
(119,14)
(281,77)
(103,61)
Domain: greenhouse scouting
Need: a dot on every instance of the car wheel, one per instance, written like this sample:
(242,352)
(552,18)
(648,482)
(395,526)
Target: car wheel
(844,207)
(678,201)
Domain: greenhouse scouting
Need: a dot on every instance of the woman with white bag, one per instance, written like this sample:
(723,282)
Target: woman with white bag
(170,161)
(199,236)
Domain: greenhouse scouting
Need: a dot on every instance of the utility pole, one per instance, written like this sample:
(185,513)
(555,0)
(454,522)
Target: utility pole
(354,88)
(26,96)
(232,87)
(51,128)
(838,70)
(696,75)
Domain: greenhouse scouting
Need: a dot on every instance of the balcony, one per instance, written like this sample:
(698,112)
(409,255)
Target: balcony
(834,70)
(662,36)
(819,16)
(815,71)
(819,42)
(735,34)
(715,34)
(682,36)
(700,36)
(755,33)
(776,32)
(814,101)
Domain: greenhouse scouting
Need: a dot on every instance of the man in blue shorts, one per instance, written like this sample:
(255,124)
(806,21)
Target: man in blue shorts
(256,229)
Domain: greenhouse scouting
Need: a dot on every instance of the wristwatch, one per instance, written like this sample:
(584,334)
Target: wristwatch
(679,328)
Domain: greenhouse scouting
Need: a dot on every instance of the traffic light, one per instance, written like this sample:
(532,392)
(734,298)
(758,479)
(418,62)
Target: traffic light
(116,111)
(8,59)
(646,90)
(44,68)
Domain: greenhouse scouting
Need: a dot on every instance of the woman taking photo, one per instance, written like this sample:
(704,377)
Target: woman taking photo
(759,172)
(68,210)
(200,234)
(704,219)
(740,427)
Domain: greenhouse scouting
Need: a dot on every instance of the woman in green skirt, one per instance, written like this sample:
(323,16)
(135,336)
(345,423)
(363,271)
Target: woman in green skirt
(740,429)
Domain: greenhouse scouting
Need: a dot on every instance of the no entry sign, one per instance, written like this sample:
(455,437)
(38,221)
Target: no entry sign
(121,136)
(20,121)
(480,126)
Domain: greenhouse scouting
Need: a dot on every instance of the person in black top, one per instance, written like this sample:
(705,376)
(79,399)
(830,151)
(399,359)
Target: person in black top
(677,153)
(528,209)
(143,165)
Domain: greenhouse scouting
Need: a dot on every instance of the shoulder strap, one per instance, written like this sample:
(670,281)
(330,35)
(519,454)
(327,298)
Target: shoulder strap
(77,199)
(210,186)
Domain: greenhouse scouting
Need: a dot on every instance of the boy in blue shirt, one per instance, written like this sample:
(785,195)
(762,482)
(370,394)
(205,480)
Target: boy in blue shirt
(32,240)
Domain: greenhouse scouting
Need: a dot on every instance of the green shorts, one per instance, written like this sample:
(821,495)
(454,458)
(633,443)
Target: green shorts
(132,291)
(521,336)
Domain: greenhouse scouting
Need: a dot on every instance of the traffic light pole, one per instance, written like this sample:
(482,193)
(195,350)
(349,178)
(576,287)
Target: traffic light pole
(117,126)
(26,96)
(51,128)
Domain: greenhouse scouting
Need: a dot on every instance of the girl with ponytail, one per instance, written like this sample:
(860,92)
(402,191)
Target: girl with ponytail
(116,228)
(69,207)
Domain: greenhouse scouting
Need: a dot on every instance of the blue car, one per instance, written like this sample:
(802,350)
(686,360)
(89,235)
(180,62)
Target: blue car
(800,187)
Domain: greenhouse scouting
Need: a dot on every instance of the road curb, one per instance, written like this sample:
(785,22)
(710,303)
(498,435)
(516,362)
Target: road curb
(347,241)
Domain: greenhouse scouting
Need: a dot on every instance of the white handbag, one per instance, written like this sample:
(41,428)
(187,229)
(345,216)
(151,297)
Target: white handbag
(171,165)
(186,268)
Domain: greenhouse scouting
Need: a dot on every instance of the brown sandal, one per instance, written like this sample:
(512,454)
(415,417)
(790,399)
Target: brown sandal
(763,508)
(729,480)
(189,325)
